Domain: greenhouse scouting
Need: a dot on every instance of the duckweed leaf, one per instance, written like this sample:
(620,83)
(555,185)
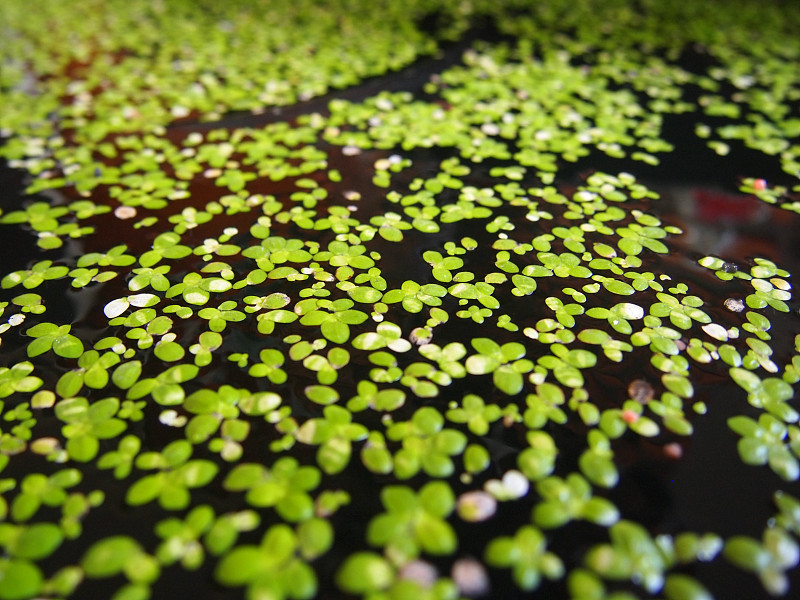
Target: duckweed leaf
(415,522)
(364,572)
(270,568)
(527,556)
(538,460)
(596,463)
(677,587)
(632,553)
(564,500)
(18,379)
(21,579)
(35,542)
(333,434)
(768,558)
(322,394)
(109,556)
(50,336)
(285,486)
(169,351)
(126,374)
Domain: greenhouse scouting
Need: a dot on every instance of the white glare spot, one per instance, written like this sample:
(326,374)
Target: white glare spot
(420,572)
(125,212)
(171,418)
(476,506)
(180,112)
(470,577)
(142,300)
(116,307)
(718,332)
(516,483)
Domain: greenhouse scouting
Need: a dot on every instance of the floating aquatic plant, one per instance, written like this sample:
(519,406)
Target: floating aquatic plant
(380,322)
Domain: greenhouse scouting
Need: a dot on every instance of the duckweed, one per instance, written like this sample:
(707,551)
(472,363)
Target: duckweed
(347,332)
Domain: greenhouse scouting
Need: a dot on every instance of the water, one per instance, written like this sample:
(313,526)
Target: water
(706,489)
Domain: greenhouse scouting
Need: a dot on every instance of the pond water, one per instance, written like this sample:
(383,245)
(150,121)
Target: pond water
(525,279)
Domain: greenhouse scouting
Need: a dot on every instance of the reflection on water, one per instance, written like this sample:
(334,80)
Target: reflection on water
(728,224)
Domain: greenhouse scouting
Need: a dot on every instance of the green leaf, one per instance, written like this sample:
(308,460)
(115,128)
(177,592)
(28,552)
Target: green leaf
(334,455)
(536,463)
(68,346)
(197,473)
(300,580)
(391,234)
(243,476)
(435,536)
(523,285)
(70,383)
(746,553)
(377,459)
(291,506)
(39,346)
(314,537)
(437,498)
(549,515)
(364,573)
(169,351)
(240,566)
(581,359)
(508,380)
(599,469)
(678,385)
(617,287)
(132,591)
(201,427)
(83,448)
(366,295)
(126,374)
(476,458)
(601,511)
(197,297)
(593,336)
(480,364)
(747,380)
(38,541)
(322,394)
(20,579)
(96,378)
(335,331)
(109,556)
(145,490)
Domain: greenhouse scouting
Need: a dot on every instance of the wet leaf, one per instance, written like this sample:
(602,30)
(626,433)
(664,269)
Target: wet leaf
(364,572)
(38,541)
(21,579)
(109,556)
